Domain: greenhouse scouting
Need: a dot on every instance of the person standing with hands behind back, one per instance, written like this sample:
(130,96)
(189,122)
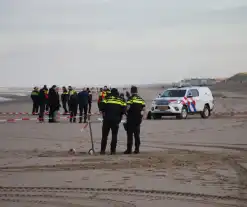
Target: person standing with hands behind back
(112,108)
(135,110)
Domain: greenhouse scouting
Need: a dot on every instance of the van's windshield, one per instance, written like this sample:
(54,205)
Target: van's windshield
(173,93)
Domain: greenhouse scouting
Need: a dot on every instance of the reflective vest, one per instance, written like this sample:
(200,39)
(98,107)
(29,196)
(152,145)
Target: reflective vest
(34,93)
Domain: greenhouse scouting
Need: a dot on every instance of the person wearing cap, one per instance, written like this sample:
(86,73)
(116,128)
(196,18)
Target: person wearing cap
(54,103)
(64,98)
(90,99)
(35,99)
(135,109)
(112,109)
(73,104)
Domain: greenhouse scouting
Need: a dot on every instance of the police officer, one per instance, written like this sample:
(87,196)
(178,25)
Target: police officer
(42,103)
(90,99)
(106,91)
(35,99)
(83,104)
(135,109)
(65,97)
(73,104)
(54,103)
(112,108)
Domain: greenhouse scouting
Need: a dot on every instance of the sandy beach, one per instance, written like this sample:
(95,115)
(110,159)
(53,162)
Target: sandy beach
(187,163)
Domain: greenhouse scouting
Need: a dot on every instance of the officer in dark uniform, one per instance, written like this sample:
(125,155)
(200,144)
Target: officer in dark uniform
(83,104)
(135,109)
(90,99)
(112,108)
(42,103)
(54,103)
(65,97)
(35,99)
(73,104)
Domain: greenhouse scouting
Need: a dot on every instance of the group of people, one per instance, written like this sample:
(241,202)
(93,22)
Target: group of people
(49,100)
(112,105)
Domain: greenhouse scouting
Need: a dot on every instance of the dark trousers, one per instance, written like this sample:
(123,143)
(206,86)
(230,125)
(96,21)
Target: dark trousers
(83,109)
(46,105)
(35,107)
(73,112)
(133,129)
(52,111)
(89,107)
(41,112)
(107,126)
(65,107)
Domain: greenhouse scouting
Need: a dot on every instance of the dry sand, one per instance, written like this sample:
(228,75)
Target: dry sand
(185,163)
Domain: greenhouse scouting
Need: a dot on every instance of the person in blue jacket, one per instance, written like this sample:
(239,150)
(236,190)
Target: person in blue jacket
(83,98)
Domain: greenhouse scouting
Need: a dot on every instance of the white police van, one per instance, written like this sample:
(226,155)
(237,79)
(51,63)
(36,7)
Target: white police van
(181,101)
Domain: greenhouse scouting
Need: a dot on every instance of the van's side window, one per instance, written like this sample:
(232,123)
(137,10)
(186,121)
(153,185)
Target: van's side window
(195,92)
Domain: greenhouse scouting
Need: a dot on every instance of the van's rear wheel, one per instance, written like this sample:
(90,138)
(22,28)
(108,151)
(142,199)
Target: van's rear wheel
(206,112)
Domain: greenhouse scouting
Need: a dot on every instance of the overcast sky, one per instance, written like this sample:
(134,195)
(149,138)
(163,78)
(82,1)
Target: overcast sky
(80,42)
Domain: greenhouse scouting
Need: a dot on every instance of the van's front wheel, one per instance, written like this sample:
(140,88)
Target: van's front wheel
(183,114)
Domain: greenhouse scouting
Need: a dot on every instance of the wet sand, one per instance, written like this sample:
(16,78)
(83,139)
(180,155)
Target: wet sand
(191,162)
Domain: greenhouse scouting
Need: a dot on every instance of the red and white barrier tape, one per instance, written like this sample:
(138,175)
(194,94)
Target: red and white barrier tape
(14,120)
(46,113)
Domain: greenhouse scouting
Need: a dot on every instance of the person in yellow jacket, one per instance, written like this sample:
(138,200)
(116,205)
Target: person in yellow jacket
(35,99)
(73,104)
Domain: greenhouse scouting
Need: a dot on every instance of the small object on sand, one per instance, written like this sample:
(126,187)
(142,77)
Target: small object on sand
(91,152)
(72,151)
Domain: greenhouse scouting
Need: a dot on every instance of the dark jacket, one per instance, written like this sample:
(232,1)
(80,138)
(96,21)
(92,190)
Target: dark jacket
(42,96)
(53,98)
(35,96)
(135,105)
(65,96)
(83,98)
(90,96)
(73,99)
(112,108)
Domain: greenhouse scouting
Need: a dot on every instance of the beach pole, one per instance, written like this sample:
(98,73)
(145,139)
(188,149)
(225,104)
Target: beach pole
(91,151)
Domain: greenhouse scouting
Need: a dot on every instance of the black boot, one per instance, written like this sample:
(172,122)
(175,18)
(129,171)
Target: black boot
(137,151)
(128,151)
(74,120)
(80,121)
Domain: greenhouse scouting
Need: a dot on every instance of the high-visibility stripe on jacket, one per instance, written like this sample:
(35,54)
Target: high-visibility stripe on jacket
(34,93)
(114,100)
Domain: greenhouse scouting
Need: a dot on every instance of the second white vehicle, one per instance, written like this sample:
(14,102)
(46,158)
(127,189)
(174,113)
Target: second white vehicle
(182,101)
